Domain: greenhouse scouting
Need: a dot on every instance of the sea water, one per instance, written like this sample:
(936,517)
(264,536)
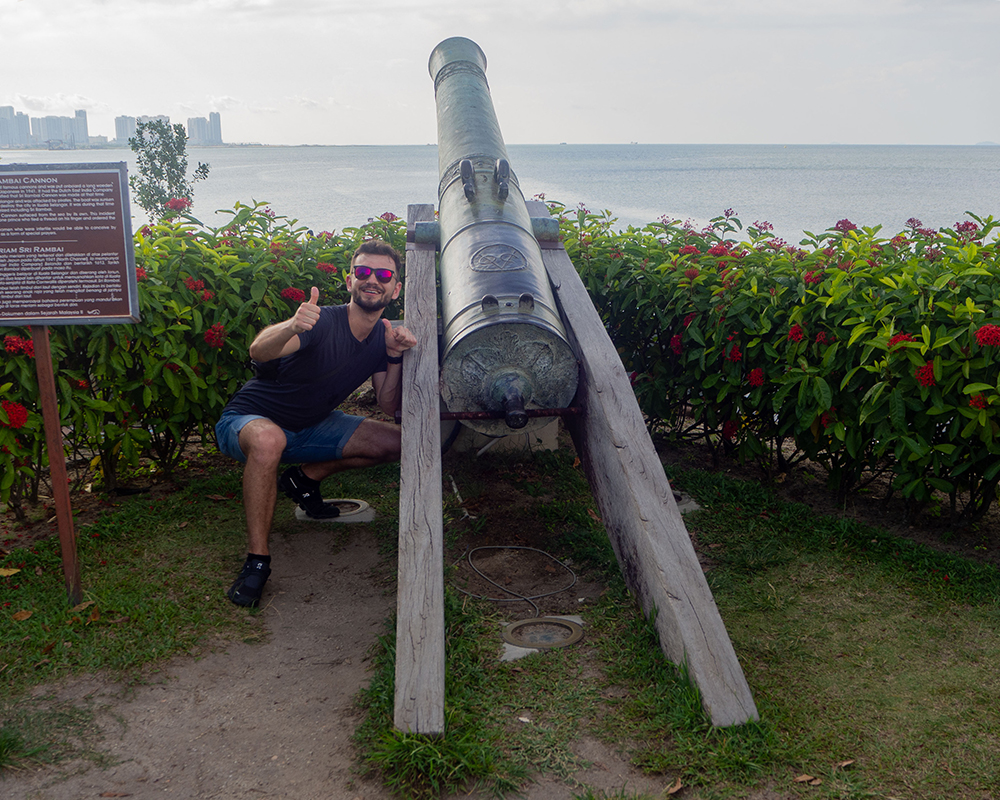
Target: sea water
(796,188)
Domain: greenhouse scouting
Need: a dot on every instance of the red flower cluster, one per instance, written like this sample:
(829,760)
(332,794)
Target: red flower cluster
(821,338)
(691,273)
(898,338)
(327,268)
(194,285)
(826,419)
(675,344)
(925,374)
(17,415)
(388,216)
(729,429)
(178,204)
(140,274)
(796,333)
(763,226)
(719,250)
(988,335)
(756,377)
(845,225)
(690,318)
(293,294)
(82,384)
(813,277)
(689,250)
(17,344)
(216,335)
(978,401)
(208,294)
(735,354)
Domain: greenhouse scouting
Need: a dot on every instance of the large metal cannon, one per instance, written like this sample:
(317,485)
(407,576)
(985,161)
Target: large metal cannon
(504,348)
(514,341)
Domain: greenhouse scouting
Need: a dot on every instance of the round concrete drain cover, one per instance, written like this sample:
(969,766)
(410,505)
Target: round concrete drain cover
(543,632)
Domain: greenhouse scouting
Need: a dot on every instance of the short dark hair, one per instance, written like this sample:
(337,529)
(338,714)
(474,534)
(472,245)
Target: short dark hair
(376,247)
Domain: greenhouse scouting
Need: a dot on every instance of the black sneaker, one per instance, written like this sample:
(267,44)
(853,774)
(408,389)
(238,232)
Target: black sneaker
(249,584)
(306,493)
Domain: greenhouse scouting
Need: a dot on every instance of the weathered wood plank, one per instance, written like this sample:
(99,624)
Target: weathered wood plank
(419,701)
(646,529)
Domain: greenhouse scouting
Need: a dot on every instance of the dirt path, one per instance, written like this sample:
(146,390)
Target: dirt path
(255,720)
(271,719)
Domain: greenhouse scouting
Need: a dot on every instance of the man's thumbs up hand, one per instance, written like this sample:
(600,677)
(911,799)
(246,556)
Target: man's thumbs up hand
(308,313)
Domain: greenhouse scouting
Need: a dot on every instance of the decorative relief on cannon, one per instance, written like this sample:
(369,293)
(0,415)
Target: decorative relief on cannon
(504,348)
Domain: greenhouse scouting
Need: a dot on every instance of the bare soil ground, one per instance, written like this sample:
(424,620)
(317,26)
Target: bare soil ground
(273,718)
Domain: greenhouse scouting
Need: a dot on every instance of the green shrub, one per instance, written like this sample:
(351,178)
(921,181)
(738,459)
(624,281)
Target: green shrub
(144,390)
(858,352)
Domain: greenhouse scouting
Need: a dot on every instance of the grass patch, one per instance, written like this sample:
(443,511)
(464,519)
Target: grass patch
(859,646)
(41,731)
(154,569)
(871,659)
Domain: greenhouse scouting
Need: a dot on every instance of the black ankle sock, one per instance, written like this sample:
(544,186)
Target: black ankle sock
(307,483)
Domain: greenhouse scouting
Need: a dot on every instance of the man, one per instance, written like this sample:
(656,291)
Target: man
(306,367)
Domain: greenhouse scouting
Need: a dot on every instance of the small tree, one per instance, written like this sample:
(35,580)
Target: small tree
(161,151)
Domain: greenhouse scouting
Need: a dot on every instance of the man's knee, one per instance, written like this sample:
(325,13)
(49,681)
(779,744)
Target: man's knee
(262,440)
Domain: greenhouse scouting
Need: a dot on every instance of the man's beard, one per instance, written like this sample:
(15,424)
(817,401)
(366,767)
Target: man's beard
(368,302)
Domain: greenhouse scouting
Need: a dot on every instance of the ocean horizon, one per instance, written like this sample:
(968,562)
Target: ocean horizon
(796,188)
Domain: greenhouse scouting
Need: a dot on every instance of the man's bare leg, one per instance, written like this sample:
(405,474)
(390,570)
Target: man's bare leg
(373,442)
(262,442)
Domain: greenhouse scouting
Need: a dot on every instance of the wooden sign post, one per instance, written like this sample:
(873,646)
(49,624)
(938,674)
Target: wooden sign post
(66,258)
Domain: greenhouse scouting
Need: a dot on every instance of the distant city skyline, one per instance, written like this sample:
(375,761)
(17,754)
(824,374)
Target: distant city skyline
(19,130)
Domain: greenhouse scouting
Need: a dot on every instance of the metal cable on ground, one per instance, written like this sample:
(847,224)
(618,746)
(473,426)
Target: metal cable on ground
(517,597)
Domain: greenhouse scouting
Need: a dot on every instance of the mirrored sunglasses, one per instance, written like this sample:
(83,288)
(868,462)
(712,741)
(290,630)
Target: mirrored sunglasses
(383,275)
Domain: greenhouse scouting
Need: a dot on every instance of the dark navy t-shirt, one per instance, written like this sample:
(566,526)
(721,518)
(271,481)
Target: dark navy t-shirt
(311,382)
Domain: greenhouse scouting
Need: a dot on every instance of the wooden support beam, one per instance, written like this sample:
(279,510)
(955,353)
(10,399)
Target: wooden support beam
(638,508)
(419,703)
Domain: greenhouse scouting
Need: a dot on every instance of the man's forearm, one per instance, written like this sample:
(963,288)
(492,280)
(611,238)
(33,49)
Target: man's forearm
(390,395)
(271,341)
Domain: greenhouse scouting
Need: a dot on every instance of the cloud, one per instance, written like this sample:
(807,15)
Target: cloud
(59,104)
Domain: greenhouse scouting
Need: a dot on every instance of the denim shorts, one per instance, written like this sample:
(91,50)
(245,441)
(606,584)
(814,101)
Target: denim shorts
(322,442)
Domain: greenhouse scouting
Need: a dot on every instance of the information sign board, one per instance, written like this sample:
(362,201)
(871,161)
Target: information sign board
(66,251)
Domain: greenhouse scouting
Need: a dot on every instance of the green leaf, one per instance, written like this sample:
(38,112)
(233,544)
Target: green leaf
(260,286)
(897,410)
(822,393)
(858,332)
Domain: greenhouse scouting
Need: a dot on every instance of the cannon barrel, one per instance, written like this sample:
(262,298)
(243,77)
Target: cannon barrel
(504,347)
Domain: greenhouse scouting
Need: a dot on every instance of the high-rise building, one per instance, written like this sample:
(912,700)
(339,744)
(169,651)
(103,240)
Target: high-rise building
(54,131)
(21,131)
(124,129)
(125,126)
(197,130)
(6,125)
(80,128)
(203,131)
(215,128)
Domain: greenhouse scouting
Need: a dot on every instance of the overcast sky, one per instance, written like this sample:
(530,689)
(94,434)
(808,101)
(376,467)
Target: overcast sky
(580,71)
